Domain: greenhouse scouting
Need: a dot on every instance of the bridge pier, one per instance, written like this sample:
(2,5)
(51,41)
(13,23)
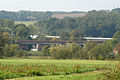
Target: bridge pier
(26,47)
(40,46)
(34,47)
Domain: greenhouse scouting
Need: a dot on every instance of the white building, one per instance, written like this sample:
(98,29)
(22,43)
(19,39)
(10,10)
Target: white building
(96,38)
(34,36)
(52,36)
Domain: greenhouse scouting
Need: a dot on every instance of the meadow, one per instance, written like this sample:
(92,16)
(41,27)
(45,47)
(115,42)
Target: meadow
(40,69)
(25,22)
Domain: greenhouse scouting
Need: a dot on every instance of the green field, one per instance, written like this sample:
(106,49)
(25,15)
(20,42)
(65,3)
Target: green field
(39,69)
(25,22)
(86,76)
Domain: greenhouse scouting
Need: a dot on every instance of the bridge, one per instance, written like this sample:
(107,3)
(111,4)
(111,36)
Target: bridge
(38,44)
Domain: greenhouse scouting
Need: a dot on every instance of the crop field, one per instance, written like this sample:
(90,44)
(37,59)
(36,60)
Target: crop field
(39,69)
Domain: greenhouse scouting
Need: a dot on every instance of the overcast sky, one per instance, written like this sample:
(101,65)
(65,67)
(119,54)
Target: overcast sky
(58,5)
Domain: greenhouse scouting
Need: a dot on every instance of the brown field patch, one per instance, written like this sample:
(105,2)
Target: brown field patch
(60,16)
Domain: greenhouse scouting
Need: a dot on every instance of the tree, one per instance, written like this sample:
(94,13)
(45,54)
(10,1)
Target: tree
(60,52)
(111,43)
(117,35)
(13,50)
(100,52)
(88,46)
(64,36)
(68,51)
(75,50)
(45,51)
(4,39)
(76,35)
(21,31)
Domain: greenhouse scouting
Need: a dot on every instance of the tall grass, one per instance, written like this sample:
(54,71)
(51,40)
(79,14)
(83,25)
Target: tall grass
(15,71)
(112,73)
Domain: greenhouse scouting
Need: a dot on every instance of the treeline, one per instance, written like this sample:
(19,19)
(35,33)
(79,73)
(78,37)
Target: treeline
(29,15)
(7,49)
(16,31)
(24,15)
(9,34)
(90,51)
(101,23)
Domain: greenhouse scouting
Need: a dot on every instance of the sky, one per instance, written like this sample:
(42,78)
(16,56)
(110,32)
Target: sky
(58,5)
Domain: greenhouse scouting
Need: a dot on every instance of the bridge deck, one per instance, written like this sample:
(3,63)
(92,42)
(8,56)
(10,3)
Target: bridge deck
(51,42)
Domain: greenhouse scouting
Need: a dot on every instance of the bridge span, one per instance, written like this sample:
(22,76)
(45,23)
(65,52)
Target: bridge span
(38,44)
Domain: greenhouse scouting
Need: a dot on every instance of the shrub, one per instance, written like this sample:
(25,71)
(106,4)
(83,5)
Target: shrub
(112,74)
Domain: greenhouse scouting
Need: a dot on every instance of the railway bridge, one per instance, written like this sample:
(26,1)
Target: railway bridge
(37,45)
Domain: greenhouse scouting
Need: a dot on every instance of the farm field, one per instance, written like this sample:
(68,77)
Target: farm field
(61,16)
(39,69)
(25,22)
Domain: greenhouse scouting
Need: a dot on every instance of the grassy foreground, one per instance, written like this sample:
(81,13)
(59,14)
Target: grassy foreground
(38,69)
(85,76)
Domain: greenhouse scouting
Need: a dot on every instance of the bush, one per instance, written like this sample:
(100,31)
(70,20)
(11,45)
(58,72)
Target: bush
(112,74)
(32,53)
(70,51)
(100,52)
(12,50)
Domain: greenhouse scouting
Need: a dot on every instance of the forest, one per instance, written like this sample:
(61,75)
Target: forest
(95,24)
(31,15)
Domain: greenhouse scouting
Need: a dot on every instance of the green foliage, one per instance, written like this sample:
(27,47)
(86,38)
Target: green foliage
(101,23)
(112,74)
(4,39)
(85,76)
(45,51)
(112,42)
(33,53)
(87,47)
(69,51)
(30,15)
(12,50)
(64,36)
(100,52)
(24,15)
(76,35)
(60,52)
(6,23)
(117,35)
(21,31)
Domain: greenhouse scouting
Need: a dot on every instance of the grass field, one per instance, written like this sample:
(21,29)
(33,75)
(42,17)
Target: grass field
(39,69)
(25,22)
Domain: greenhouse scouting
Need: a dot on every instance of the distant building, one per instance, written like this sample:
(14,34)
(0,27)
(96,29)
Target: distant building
(96,38)
(52,36)
(34,36)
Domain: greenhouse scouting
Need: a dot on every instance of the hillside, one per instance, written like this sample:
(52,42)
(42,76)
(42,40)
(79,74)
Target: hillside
(36,15)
